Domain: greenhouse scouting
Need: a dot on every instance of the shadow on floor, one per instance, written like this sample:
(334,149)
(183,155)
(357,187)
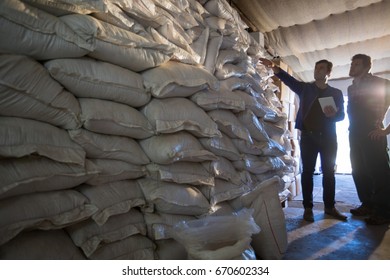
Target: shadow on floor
(330,239)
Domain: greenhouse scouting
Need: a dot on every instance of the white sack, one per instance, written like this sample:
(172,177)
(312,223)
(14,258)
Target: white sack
(223,191)
(223,147)
(271,242)
(118,46)
(102,146)
(185,116)
(41,245)
(192,173)
(200,45)
(179,11)
(172,198)
(213,46)
(28,91)
(217,237)
(222,168)
(179,146)
(47,211)
(172,33)
(23,137)
(229,124)
(210,100)
(116,16)
(167,79)
(96,79)
(29,31)
(259,164)
(107,117)
(253,124)
(160,225)
(135,247)
(69,6)
(115,170)
(112,198)
(235,83)
(179,54)
(39,174)
(89,236)
(252,103)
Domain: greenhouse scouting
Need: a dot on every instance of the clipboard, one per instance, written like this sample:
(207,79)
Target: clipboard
(327,101)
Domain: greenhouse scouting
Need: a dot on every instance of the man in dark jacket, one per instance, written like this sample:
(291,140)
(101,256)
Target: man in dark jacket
(318,133)
(368,101)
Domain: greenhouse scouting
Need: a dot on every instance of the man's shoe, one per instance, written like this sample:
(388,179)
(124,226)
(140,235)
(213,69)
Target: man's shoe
(335,214)
(362,210)
(308,215)
(377,220)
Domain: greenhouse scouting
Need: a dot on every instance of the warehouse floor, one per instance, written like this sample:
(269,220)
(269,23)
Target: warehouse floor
(330,239)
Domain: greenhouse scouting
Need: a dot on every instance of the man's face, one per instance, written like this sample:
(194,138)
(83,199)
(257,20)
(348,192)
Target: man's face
(357,68)
(321,71)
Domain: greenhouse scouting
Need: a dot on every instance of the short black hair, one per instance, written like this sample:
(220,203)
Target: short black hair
(329,64)
(365,59)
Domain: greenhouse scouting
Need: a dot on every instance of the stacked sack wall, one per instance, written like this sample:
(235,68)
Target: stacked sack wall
(126,126)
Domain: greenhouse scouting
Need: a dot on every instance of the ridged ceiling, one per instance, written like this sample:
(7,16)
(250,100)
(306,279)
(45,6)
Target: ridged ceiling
(302,32)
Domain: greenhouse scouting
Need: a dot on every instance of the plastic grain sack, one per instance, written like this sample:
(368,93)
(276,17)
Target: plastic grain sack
(113,198)
(116,16)
(89,236)
(259,164)
(173,77)
(252,103)
(179,54)
(223,191)
(186,116)
(217,237)
(144,11)
(231,63)
(223,147)
(39,174)
(272,148)
(181,172)
(170,32)
(160,225)
(253,124)
(135,247)
(172,198)
(271,242)
(41,245)
(229,124)
(28,91)
(213,45)
(246,147)
(23,137)
(115,170)
(63,7)
(108,117)
(102,146)
(47,211)
(96,79)
(210,100)
(179,146)
(222,168)
(200,45)
(235,83)
(180,12)
(119,46)
(29,31)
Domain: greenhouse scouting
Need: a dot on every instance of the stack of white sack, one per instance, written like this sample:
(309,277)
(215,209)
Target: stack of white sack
(153,114)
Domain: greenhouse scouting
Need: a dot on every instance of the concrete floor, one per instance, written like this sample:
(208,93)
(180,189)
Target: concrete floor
(330,239)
